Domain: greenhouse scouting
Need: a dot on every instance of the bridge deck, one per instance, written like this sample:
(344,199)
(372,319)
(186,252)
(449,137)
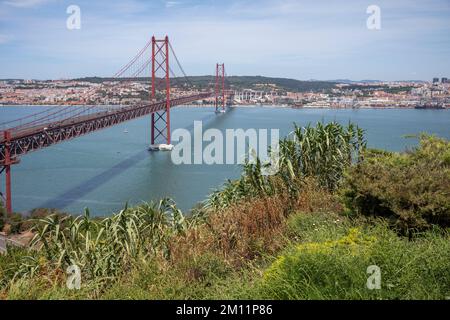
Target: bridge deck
(27,139)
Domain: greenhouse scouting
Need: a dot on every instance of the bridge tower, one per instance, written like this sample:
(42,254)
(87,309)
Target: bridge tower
(6,166)
(220,82)
(160,121)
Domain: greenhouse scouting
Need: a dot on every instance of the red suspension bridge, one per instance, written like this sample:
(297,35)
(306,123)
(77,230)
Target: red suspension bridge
(46,128)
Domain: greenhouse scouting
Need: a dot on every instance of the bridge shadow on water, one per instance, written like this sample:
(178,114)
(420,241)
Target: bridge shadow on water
(79,191)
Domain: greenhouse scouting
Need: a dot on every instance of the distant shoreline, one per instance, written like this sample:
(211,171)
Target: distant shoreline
(211,106)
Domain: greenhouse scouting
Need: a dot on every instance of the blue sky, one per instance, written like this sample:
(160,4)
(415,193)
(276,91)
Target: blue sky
(285,38)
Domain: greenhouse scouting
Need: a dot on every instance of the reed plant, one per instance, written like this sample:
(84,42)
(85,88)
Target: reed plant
(323,152)
(102,248)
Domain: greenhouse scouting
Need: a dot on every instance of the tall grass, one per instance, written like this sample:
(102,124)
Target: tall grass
(102,249)
(322,152)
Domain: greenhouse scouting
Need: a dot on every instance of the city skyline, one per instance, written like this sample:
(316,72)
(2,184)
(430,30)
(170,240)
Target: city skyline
(291,39)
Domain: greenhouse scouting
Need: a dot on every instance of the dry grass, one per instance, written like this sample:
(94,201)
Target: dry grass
(313,198)
(249,229)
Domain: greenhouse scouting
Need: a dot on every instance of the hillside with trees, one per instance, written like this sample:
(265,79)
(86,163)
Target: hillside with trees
(237,82)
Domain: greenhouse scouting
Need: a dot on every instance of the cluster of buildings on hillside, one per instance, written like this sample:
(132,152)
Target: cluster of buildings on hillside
(357,95)
(342,95)
(71,92)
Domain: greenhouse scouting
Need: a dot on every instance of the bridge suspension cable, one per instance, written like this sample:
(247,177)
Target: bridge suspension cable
(132,61)
(179,64)
(63,113)
(3,124)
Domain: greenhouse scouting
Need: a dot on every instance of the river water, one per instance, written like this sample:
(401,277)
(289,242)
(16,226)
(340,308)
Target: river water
(108,168)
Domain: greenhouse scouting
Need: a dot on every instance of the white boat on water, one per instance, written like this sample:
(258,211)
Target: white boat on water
(161,147)
(125,131)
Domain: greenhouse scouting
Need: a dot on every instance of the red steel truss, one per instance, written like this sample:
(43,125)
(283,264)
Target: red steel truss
(219,92)
(20,142)
(160,122)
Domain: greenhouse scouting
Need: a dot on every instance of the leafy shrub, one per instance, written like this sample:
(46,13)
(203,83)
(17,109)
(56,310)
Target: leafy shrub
(411,189)
(19,223)
(16,221)
(30,221)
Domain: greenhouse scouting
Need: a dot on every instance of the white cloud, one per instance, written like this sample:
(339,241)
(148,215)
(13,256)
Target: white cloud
(170,4)
(25,3)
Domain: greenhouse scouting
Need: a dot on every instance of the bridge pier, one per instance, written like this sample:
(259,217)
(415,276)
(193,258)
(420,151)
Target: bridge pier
(152,129)
(8,189)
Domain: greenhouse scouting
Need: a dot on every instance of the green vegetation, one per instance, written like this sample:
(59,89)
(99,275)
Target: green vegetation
(322,152)
(332,259)
(10,224)
(104,248)
(411,189)
(379,87)
(16,223)
(310,231)
(238,82)
(267,83)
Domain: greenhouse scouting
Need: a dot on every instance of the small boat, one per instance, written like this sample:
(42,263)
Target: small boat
(161,147)
(125,131)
